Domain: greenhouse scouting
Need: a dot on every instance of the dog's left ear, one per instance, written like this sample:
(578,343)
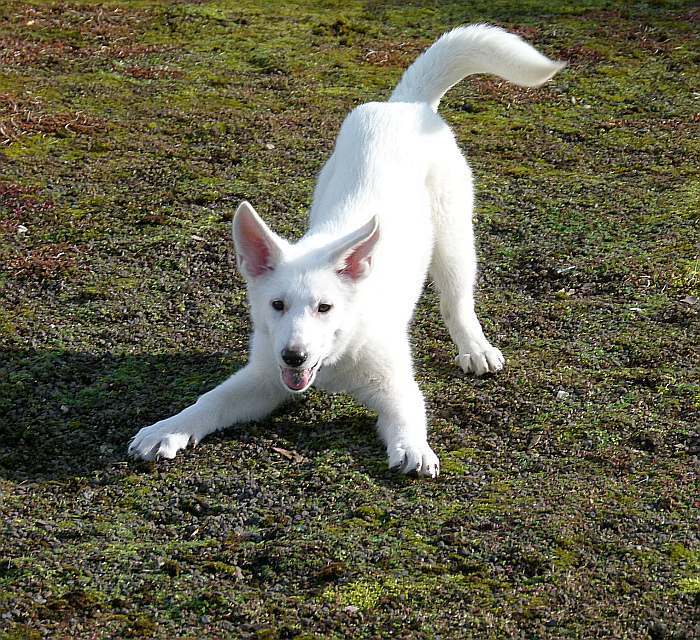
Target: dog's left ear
(352,254)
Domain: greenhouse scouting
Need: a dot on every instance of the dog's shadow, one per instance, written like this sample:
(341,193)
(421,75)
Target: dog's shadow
(66,414)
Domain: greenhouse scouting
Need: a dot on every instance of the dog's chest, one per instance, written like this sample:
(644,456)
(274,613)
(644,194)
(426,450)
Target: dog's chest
(332,379)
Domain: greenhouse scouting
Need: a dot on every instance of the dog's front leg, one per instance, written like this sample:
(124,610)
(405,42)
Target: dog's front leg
(402,426)
(247,395)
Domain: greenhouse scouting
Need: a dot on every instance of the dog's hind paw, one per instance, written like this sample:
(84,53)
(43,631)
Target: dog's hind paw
(481,361)
(420,459)
(160,440)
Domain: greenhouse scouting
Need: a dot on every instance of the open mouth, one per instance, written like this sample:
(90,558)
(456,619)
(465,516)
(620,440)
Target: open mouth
(298,379)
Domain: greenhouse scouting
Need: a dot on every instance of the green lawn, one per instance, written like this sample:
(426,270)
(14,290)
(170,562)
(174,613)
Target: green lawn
(568,504)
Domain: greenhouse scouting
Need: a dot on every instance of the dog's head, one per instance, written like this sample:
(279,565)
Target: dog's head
(300,295)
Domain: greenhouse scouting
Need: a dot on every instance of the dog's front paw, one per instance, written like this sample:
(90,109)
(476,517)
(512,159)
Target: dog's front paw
(161,440)
(481,359)
(412,458)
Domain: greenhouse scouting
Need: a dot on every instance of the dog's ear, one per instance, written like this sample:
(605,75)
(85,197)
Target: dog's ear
(258,249)
(352,254)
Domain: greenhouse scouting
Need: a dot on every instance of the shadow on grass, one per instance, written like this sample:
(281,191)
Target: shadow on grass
(65,414)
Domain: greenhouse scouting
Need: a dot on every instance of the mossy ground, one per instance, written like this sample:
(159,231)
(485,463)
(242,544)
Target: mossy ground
(130,131)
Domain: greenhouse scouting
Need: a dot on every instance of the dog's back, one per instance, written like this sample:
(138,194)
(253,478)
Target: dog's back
(386,151)
(398,159)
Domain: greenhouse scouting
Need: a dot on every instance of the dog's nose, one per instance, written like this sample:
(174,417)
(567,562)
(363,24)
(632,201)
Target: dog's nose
(293,358)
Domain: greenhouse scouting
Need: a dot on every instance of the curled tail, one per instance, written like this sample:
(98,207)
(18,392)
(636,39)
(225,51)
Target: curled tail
(477,48)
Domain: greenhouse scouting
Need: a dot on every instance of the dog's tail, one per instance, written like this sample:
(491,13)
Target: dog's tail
(477,48)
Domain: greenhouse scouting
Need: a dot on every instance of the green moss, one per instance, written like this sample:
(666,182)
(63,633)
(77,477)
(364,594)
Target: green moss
(690,586)
(35,147)
(141,626)
(223,568)
(367,594)
(564,559)
(451,464)
(687,567)
(363,594)
(20,632)
(7,326)
(679,553)
(368,515)
(686,276)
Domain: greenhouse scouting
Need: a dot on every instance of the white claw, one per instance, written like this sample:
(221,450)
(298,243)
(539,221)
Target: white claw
(161,440)
(409,458)
(481,360)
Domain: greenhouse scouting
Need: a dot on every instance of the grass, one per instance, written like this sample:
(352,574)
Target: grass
(129,132)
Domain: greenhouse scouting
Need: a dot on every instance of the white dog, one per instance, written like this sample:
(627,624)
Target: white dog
(393,202)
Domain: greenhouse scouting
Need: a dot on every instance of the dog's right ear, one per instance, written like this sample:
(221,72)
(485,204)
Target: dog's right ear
(352,255)
(258,249)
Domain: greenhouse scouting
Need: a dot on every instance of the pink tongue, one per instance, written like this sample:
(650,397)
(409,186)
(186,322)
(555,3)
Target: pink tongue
(296,379)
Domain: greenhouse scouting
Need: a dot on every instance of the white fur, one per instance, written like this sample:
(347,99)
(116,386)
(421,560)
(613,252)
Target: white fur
(393,202)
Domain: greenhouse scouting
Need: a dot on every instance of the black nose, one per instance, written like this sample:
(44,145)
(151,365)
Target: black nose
(293,358)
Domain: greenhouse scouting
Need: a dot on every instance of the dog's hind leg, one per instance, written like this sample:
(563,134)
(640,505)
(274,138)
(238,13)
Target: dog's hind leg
(453,266)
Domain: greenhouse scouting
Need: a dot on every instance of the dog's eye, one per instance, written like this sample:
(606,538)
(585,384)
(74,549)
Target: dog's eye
(324,308)
(278,305)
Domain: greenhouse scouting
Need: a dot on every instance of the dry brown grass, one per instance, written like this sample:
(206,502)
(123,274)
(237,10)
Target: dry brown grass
(26,116)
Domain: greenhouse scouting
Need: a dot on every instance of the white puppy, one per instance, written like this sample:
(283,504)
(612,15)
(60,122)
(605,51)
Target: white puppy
(393,202)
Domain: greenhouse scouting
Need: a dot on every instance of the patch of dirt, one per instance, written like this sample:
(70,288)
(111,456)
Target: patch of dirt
(121,50)
(507,93)
(23,116)
(22,52)
(96,21)
(393,54)
(670,124)
(19,205)
(57,34)
(44,262)
(580,55)
(146,73)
